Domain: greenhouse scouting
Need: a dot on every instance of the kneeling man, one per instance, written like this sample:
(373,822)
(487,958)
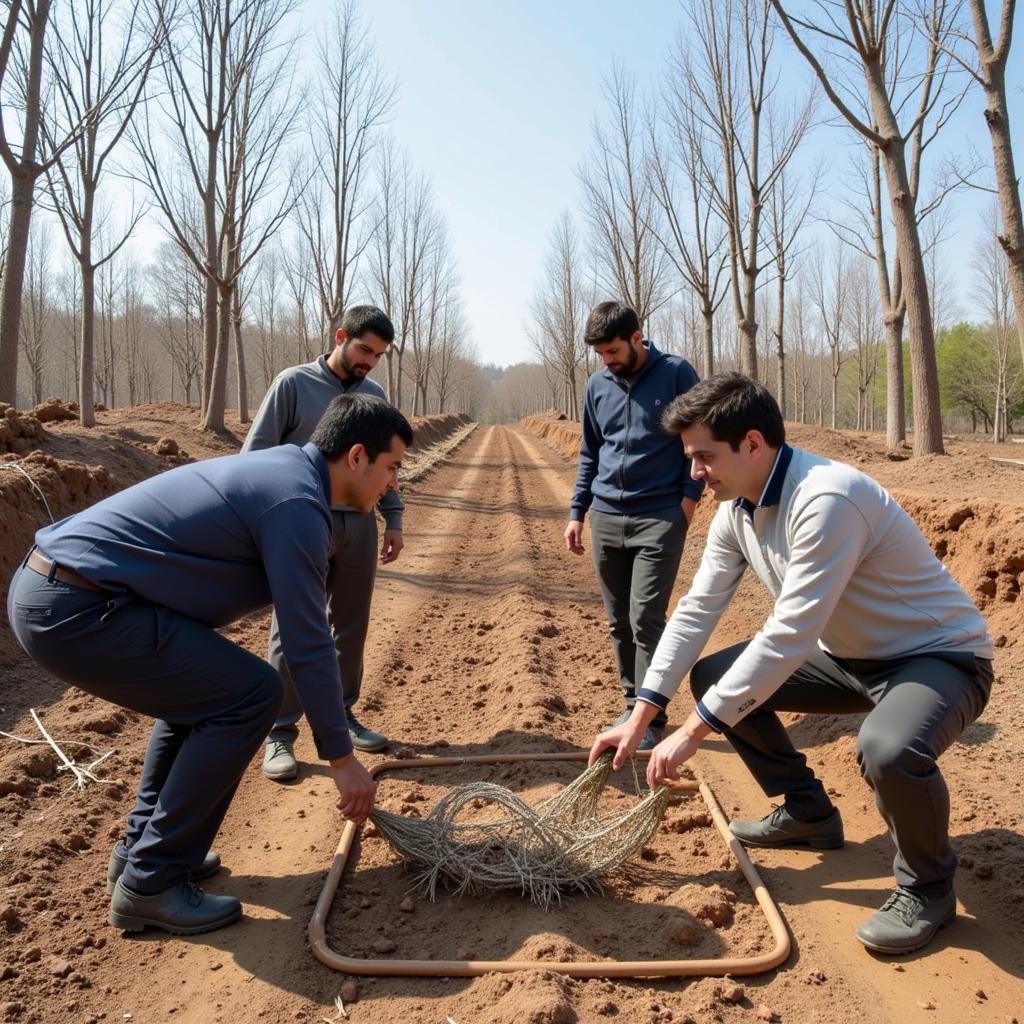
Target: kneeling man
(866,619)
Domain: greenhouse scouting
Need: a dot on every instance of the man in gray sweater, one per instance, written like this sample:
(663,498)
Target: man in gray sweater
(866,619)
(289,413)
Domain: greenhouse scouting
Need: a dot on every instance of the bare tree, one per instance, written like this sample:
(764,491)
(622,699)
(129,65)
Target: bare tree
(829,285)
(36,313)
(220,65)
(353,99)
(22,46)
(179,302)
(407,231)
(990,73)
(992,275)
(107,80)
(619,202)
(691,233)
(867,41)
(865,331)
(732,78)
(559,312)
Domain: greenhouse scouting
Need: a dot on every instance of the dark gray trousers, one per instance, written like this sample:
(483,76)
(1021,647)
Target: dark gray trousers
(917,707)
(213,701)
(637,559)
(350,577)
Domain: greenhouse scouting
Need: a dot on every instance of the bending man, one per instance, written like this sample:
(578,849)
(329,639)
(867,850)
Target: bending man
(124,600)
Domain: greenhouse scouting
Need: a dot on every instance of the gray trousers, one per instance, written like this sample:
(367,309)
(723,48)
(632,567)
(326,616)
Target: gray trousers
(213,702)
(637,559)
(917,707)
(350,577)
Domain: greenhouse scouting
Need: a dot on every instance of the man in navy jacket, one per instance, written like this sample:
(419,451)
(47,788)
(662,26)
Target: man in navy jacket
(635,480)
(125,598)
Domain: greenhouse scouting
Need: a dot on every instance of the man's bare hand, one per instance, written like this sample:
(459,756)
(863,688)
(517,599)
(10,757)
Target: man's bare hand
(574,538)
(355,786)
(675,750)
(625,738)
(391,547)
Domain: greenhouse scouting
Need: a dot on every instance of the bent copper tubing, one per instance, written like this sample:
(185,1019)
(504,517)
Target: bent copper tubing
(575,969)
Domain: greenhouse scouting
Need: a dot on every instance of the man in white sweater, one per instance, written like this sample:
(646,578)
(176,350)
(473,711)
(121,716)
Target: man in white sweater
(866,619)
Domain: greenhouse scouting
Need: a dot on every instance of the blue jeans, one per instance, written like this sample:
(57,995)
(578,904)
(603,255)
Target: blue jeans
(213,701)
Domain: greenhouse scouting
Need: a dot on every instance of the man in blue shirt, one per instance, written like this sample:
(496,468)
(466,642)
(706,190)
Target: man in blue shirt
(635,480)
(124,601)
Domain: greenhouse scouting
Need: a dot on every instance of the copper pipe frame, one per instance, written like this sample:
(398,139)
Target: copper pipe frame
(576,969)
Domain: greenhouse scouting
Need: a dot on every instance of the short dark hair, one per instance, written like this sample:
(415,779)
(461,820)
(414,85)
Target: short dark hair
(610,321)
(359,419)
(729,405)
(358,320)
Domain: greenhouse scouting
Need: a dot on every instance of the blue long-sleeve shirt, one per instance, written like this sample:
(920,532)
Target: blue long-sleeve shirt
(217,539)
(628,464)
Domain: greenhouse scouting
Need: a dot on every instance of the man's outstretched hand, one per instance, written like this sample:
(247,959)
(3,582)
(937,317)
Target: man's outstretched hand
(675,750)
(355,787)
(625,738)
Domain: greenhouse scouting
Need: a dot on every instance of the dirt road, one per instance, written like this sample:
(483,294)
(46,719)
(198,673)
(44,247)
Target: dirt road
(488,636)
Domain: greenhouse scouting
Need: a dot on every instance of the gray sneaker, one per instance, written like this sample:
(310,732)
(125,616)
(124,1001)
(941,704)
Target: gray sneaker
(183,909)
(907,921)
(363,738)
(279,761)
(119,858)
(780,828)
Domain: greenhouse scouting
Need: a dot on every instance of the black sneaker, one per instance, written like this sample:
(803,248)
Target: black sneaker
(363,738)
(780,828)
(907,921)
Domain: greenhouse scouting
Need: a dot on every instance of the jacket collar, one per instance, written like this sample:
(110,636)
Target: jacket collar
(772,493)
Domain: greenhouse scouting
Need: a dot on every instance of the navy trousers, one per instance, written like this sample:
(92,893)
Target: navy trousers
(917,706)
(213,702)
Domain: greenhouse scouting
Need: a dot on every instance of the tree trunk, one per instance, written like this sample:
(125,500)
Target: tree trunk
(895,418)
(22,187)
(709,343)
(243,383)
(993,75)
(213,415)
(87,383)
(780,349)
(923,368)
(210,311)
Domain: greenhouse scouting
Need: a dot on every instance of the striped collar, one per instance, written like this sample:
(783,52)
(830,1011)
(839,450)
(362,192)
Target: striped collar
(772,493)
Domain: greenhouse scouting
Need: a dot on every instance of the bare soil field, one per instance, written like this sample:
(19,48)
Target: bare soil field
(487,637)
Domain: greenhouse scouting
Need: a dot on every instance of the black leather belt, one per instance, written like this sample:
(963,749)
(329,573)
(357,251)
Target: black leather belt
(39,563)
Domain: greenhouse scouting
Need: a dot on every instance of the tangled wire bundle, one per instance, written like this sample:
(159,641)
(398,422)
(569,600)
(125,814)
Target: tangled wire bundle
(542,851)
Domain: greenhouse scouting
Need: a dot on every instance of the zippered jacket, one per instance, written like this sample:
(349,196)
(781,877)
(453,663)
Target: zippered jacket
(628,464)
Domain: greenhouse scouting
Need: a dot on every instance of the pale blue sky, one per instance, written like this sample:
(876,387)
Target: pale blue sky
(496,102)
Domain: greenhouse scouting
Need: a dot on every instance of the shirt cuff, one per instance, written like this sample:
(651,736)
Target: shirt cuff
(708,718)
(333,747)
(392,520)
(659,700)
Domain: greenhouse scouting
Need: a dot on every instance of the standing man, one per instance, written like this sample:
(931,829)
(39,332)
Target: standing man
(635,480)
(288,415)
(866,619)
(124,600)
